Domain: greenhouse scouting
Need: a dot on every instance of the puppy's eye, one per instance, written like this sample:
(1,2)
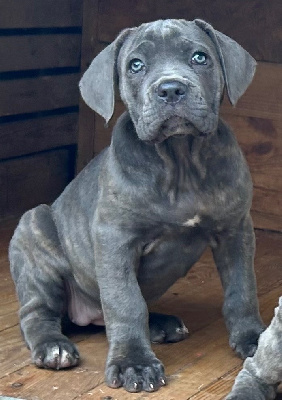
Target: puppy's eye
(199,58)
(136,65)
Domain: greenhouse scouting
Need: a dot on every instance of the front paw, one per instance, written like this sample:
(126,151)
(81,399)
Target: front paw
(56,353)
(136,373)
(245,342)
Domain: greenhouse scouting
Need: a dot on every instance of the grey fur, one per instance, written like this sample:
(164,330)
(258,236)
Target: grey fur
(172,182)
(262,373)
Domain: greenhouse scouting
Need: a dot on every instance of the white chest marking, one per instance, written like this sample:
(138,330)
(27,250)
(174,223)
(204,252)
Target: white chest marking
(193,221)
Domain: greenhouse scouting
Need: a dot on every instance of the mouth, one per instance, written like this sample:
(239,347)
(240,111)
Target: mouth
(174,126)
(177,126)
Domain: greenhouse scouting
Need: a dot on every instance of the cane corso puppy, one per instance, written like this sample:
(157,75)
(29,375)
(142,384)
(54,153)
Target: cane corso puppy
(172,182)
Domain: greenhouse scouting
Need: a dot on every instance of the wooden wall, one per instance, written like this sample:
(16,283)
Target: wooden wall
(40,46)
(257,119)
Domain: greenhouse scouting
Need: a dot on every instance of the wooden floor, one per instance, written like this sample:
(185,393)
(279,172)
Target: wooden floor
(201,367)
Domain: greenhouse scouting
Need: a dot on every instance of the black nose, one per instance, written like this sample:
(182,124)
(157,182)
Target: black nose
(171,91)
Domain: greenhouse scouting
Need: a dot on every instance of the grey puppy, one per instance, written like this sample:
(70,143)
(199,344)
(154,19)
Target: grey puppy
(262,373)
(172,182)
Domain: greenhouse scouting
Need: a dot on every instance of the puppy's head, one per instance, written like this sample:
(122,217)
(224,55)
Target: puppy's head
(171,76)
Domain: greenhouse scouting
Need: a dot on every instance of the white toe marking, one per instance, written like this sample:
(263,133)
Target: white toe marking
(192,221)
(65,357)
(55,351)
(183,330)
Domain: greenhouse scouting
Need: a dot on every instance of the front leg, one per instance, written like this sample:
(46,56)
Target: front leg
(234,258)
(131,362)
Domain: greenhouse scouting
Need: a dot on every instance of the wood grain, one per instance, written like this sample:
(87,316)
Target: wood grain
(40,93)
(254,24)
(87,128)
(129,13)
(259,21)
(20,138)
(103,132)
(28,14)
(36,179)
(28,52)
(263,98)
(261,142)
(201,367)
(40,42)
(264,220)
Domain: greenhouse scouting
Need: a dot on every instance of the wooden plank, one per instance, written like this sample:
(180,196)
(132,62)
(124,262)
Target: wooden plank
(194,365)
(19,53)
(35,179)
(6,286)
(40,93)
(103,133)
(269,201)
(6,229)
(129,13)
(40,13)
(62,384)
(3,185)
(264,220)
(261,142)
(87,117)
(219,388)
(8,320)
(261,36)
(85,151)
(14,354)
(263,98)
(37,134)
(198,366)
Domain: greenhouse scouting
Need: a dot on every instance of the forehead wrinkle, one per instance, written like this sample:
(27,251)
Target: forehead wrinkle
(194,43)
(173,28)
(162,28)
(164,24)
(142,47)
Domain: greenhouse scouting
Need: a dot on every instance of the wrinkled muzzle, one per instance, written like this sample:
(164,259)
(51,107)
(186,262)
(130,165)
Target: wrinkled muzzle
(174,106)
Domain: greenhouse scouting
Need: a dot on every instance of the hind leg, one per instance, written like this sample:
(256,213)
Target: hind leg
(38,266)
(166,328)
(163,263)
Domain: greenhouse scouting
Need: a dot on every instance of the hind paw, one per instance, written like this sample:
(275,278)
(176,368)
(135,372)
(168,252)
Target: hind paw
(166,328)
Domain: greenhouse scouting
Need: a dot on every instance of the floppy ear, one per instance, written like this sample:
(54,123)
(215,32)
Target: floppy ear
(98,82)
(237,64)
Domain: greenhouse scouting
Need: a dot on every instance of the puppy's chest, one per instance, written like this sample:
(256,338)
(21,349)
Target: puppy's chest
(211,209)
(197,190)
